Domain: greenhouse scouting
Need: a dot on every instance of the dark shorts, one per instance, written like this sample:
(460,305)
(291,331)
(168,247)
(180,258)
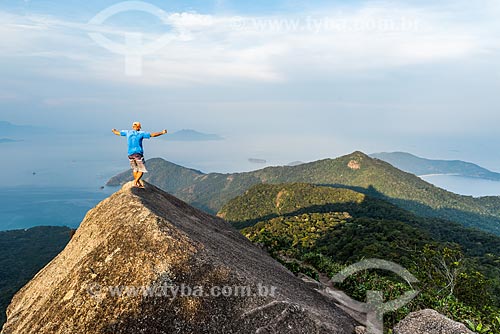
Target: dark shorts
(137,163)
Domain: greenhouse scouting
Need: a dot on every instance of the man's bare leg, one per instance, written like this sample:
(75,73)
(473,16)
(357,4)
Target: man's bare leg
(137,178)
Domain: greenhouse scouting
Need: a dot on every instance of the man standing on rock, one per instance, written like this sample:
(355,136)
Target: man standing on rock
(135,150)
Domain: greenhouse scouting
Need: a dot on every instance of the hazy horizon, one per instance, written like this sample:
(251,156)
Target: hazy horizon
(280,81)
(359,75)
(70,170)
(82,159)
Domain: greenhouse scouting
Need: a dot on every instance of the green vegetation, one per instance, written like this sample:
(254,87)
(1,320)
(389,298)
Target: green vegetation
(320,230)
(169,175)
(356,171)
(24,253)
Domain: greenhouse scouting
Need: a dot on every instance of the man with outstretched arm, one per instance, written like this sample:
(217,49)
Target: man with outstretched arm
(135,150)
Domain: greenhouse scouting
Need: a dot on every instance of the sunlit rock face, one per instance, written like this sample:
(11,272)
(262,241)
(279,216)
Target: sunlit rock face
(143,261)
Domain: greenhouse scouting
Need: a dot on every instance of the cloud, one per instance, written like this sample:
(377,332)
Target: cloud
(269,49)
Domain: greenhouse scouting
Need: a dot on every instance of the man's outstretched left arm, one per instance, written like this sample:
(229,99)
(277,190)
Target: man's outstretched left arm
(156,134)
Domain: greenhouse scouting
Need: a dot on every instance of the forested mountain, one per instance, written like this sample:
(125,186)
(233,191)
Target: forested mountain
(355,171)
(319,230)
(24,253)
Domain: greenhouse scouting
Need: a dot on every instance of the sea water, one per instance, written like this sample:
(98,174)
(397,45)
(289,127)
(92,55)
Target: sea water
(55,181)
(465,185)
(24,207)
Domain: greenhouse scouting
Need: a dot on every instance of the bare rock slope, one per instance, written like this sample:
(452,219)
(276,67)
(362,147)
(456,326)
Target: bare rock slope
(119,274)
(429,322)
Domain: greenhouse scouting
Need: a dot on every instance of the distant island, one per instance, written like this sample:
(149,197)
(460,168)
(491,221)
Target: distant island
(191,135)
(257,161)
(295,163)
(10,129)
(422,167)
(8,140)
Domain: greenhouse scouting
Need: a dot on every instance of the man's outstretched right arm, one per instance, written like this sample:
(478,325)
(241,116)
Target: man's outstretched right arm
(116,132)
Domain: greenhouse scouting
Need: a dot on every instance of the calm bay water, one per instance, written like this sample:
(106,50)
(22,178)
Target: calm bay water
(55,181)
(465,185)
(24,207)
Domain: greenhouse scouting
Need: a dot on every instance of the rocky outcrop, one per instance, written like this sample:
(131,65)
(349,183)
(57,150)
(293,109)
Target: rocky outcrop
(429,322)
(143,261)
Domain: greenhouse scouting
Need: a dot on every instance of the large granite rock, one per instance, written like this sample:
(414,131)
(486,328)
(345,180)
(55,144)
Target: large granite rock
(109,278)
(429,322)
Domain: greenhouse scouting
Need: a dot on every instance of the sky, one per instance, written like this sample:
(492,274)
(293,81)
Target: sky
(419,76)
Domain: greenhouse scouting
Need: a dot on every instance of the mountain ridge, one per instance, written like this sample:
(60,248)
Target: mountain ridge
(356,171)
(422,166)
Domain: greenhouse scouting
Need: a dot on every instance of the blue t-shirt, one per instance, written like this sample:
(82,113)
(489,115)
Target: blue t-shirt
(134,140)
